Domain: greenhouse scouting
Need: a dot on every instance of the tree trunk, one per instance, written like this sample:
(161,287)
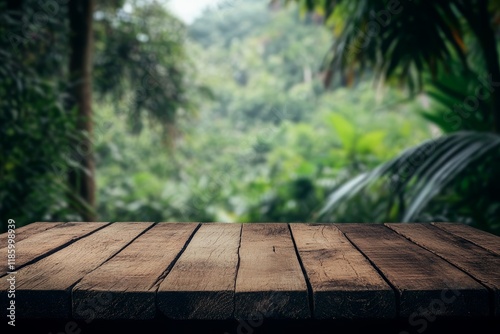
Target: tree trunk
(81,180)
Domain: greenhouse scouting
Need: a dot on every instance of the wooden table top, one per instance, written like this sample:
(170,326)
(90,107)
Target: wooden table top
(239,271)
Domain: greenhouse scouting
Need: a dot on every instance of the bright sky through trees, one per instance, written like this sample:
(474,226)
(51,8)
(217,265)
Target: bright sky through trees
(188,10)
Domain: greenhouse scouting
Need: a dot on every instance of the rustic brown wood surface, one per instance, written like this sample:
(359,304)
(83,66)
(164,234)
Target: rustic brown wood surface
(254,271)
(483,239)
(474,260)
(43,289)
(201,284)
(26,231)
(128,281)
(344,283)
(270,281)
(421,278)
(42,243)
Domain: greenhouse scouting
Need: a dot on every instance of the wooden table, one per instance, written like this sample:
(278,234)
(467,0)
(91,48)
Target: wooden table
(253,271)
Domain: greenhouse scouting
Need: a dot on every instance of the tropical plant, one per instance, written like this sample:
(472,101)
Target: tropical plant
(381,36)
(34,127)
(46,117)
(416,176)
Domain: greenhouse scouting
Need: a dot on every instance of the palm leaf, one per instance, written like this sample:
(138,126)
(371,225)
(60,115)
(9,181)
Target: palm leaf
(398,48)
(422,172)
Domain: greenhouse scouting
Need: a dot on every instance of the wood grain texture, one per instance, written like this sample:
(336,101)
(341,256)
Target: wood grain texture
(44,287)
(44,242)
(128,280)
(344,283)
(426,283)
(476,261)
(201,284)
(270,282)
(252,271)
(483,239)
(27,231)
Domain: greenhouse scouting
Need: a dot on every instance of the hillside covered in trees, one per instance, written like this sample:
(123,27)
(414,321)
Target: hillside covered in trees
(267,141)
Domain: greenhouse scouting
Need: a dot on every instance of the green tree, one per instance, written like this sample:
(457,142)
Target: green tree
(141,61)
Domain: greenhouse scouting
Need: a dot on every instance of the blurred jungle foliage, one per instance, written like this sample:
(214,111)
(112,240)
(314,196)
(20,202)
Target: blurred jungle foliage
(229,119)
(268,141)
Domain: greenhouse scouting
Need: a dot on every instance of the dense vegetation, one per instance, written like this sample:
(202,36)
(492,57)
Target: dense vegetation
(229,118)
(47,123)
(269,144)
(453,58)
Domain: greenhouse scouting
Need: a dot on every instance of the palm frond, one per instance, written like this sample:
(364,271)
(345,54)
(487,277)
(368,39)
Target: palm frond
(420,173)
(395,41)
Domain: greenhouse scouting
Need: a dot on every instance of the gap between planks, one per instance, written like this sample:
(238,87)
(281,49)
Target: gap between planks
(310,293)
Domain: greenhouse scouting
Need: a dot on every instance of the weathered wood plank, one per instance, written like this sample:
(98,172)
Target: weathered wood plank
(45,242)
(129,279)
(44,287)
(426,283)
(344,283)
(27,231)
(481,238)
(270,282)
(476,261)
(201,284)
